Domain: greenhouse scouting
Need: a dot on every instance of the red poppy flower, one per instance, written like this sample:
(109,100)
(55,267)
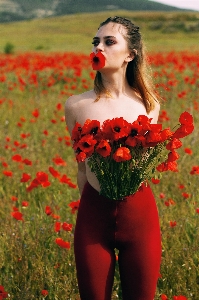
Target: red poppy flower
(174,144)
(27,162)
(57,226)
(180,297)
(35,113)
(25,203)
(155,180)
(186,118)
(42,178)
(17,157)
(122,154)
(17,215)
(54,173)
(172,156)
(74,206)
(166,134)
(90,127)
(103,148)
(48,210)
(60,242)
(188,151)
(3,293)
(183,131)
(86,144)
(7,173)
(164,297)
(76,132)
(44,293)
(115,129)
(80,156)
(59,161)
(172,223)
(67,226)
(13,198)
(194,170)
(97,60)
(25,177)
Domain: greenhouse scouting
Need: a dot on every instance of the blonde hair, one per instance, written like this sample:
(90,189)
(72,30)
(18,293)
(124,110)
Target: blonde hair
(136,74)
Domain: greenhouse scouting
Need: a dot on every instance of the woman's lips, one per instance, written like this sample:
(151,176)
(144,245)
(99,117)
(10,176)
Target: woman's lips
(97,60)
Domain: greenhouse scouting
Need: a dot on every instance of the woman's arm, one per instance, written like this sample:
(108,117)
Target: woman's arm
(70,122)
(81,176)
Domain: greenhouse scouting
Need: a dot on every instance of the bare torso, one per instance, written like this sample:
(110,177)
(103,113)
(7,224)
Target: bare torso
(83,107)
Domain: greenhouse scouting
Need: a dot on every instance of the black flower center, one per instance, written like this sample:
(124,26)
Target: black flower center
(96,59)
(117,129)
(94,130)
(86,145)
(133,132)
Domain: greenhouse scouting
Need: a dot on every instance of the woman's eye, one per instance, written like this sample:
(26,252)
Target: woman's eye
(95,43)
(110,42)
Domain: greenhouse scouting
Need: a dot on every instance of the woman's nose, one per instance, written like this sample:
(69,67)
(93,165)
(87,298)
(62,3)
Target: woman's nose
(99,47)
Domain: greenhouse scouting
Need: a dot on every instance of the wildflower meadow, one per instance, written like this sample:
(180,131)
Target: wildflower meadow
(39,197)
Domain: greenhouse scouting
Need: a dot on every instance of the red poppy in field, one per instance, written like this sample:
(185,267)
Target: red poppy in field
(180,297)
(155,180)
(186,195)
(86,144)
(186,118)
(34,184)
(67,226)
(45,132)
(42,178)
(57,226)
(13,198)
(59,161)
(172,223)
(115,129)
(188,151)
(60,242)
(25,177)
(35,113)
(194,170)
(164,297)
(27,162)
(25,203)
(17,215)
(103,148)
(48,210)
(122,154)
(59,106)
(183,131)
(4,164)
(44,293)
(3,293)
(17,158)
(74,206)
(7,173)
(54,172)
(90,127)
(174,144)
(97,60)
(172,156)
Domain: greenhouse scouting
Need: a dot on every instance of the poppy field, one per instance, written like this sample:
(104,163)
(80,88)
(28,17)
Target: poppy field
(39,197)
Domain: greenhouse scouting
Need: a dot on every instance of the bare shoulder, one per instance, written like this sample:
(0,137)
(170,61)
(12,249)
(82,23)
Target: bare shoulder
(74,104)
(155,112)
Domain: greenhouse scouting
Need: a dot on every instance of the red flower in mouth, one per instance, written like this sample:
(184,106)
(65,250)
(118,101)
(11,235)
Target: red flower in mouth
(97,60)
(122,154)
(103,148)
(115,129)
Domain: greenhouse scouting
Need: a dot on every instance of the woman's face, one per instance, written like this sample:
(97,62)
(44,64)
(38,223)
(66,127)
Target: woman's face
(112,44)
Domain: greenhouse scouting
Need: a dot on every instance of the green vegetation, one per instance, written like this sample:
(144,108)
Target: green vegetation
(162,31)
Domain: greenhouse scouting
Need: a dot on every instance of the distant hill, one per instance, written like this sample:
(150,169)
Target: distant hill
(16,10)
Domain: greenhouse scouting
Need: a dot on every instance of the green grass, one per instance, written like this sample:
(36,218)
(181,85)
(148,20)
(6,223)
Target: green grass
(74,32)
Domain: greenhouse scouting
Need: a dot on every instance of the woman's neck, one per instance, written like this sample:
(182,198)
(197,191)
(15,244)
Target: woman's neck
(116,85)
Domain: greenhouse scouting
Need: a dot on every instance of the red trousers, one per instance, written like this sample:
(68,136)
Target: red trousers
(131,226)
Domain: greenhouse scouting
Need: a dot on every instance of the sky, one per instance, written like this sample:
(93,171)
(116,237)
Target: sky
(189,4)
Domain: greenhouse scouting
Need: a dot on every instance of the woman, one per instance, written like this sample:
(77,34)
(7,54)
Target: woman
(121,89)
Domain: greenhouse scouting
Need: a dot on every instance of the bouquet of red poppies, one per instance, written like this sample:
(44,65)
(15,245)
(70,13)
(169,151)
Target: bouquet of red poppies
(123,155)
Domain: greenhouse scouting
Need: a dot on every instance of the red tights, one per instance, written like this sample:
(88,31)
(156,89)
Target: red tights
(132,227)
